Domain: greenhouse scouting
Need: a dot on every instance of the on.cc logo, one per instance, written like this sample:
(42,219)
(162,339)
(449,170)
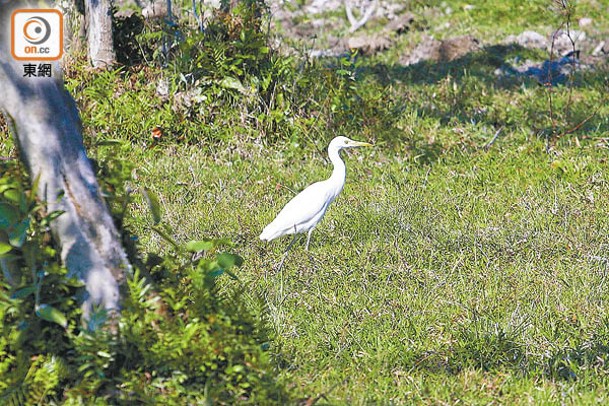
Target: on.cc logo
(37,34)
(36,30)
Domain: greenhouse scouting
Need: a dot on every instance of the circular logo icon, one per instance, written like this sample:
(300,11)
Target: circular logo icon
(36,30)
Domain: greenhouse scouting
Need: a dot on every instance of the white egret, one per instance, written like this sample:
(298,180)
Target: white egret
(306,209)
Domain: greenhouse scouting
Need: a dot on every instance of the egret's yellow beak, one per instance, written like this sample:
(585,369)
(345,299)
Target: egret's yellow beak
(361,144)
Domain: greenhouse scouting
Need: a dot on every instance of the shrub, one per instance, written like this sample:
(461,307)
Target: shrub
(186,334)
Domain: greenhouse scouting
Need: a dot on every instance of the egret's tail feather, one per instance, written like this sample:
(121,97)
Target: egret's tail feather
(268,234)
(265,235)
(271,232)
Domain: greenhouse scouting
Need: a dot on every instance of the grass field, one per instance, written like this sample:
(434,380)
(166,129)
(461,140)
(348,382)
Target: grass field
(455,267)
(479,278)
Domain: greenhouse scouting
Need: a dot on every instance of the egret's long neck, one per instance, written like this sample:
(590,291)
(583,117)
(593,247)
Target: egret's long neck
(339,173)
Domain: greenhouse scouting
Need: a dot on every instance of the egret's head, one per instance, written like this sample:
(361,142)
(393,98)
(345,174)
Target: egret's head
(344,142)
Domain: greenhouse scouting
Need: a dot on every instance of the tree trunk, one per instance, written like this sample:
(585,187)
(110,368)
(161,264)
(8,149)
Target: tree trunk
(48,133)
(75,35)
(98,14)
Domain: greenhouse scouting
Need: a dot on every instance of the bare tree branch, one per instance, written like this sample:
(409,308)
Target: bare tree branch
(355,23)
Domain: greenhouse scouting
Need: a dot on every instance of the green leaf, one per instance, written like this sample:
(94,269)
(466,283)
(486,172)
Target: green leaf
(97,319)
(51,216)
(223,241)
(215,273)
(13,195)
(166,237)
(32,198)
(198,246)
(233,83)
(8,215)
(74,282)
(4,188)
(227,261)
(4,248)
(17,236)
(23,292)
(153,205)
(343,72)
(49,313)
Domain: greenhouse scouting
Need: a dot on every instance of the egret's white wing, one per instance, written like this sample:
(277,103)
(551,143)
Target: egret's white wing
(301,213)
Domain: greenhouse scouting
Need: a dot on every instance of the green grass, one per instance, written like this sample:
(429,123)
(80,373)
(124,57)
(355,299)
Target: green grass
(445,272)
(484,273)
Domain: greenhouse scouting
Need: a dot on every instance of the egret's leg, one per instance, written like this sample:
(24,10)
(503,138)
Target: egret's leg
(308,239)
(285,254)
(312,261)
